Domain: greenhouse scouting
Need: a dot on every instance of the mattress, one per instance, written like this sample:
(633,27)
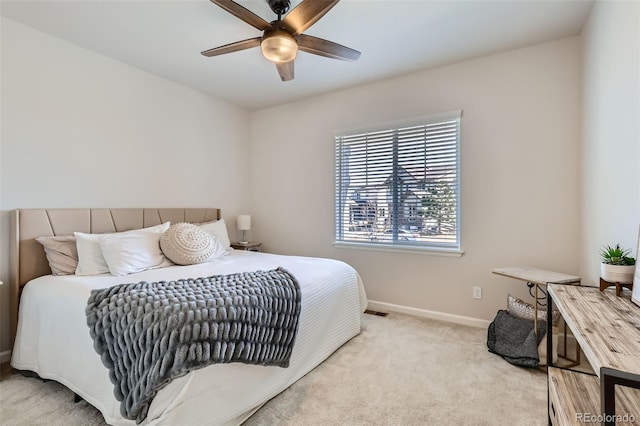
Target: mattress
(53,339)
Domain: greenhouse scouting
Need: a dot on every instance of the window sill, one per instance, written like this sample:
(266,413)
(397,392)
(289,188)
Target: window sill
(430,251)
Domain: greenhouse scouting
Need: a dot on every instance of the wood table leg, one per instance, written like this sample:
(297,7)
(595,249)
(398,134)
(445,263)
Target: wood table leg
(535,313)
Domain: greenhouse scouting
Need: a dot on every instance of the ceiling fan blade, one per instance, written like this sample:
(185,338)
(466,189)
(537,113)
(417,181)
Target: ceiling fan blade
(285,69)
(233,47)
(306,14)
(329,49)
(245,14)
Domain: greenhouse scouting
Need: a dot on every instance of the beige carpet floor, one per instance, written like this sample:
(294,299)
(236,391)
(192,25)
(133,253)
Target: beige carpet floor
(401,370)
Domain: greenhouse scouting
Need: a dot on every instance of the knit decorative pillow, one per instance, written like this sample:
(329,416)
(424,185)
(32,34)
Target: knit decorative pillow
(187,244)
(522,309)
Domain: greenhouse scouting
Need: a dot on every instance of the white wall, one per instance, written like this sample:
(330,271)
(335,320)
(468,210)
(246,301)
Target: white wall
(112,135)
(82,130)
(519,179)
(611,131)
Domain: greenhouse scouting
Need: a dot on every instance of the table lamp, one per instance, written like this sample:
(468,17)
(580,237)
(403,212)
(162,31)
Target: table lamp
(244,224)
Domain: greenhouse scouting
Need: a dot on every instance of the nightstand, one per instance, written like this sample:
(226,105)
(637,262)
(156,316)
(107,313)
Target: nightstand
(247,246)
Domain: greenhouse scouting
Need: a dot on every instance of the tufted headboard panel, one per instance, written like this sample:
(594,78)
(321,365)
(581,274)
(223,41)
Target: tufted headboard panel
(28,260)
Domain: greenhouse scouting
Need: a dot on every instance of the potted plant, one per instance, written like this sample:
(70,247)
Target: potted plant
(617,266)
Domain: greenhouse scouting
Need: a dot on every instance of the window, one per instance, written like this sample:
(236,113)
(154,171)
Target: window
(399,186)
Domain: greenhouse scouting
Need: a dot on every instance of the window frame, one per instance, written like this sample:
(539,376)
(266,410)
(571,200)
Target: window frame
(437,248)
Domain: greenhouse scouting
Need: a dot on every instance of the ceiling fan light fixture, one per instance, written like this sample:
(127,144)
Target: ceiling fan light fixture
(279,46)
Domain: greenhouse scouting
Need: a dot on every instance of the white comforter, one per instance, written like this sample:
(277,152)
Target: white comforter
(53,339)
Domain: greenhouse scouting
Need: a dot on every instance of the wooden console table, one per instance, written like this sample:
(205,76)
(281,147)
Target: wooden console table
(536,278)
(607,328)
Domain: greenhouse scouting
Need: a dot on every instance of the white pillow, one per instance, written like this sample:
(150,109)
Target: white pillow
(90,259)
(219,229)
(188,244)
(130,252)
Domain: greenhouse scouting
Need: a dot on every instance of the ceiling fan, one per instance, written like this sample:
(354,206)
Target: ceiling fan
(282,38)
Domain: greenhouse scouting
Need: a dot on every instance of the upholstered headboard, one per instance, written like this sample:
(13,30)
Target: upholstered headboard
(28,260)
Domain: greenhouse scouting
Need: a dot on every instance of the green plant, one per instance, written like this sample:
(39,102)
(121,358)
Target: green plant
(616,256)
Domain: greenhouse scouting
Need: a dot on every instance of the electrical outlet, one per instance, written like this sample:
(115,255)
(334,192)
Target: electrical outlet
(477,292)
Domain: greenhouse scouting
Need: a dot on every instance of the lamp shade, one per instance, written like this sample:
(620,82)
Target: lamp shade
(279,46)
(243,222)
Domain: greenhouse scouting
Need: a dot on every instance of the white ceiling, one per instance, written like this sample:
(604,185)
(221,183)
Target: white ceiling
(395,37)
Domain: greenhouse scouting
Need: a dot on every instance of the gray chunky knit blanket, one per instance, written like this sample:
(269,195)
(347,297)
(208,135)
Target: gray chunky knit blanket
(149,333)
(514,339)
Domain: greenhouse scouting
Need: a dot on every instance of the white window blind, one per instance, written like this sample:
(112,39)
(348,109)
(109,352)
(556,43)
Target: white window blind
(399,186)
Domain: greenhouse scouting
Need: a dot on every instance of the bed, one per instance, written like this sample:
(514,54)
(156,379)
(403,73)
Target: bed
(52,338)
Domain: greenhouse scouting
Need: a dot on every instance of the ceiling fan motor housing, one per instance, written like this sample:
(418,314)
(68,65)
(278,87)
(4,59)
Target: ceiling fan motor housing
(279,7)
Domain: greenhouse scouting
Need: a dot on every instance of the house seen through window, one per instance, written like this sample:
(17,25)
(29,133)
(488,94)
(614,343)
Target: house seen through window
(399,186)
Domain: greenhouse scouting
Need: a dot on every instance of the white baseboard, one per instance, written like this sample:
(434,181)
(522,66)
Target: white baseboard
(442,316)
(5,356)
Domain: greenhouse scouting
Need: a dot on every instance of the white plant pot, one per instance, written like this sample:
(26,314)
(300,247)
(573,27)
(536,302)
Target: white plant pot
(622,274)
